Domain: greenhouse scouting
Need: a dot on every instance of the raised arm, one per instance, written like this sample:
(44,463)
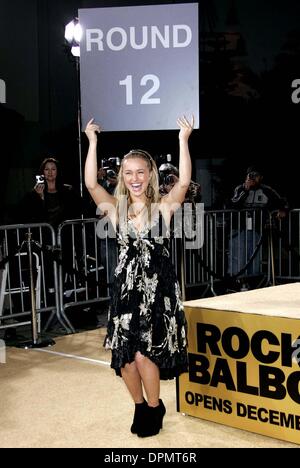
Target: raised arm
(177,194)
(98,193)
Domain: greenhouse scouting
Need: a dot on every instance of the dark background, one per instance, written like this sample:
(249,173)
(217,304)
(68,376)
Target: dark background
(249,56)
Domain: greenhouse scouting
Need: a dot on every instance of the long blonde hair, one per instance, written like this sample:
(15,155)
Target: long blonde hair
(152,193)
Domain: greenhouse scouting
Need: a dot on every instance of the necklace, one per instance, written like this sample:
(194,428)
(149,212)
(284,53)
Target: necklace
(136,214)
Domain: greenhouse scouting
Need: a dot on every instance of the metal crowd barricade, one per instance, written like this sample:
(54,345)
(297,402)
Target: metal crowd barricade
(286,245)
(230,237)
(83,269)
(15,305)
(197,262)
(233,237)
(237,234)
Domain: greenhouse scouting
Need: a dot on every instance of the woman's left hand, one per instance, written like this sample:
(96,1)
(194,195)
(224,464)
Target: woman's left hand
(186,127)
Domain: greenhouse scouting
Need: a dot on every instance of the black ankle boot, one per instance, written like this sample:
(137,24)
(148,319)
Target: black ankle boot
(162,410)
(140,417)
(154,421)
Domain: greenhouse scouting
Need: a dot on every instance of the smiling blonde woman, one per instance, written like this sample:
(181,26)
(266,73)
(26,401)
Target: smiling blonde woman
(146,326)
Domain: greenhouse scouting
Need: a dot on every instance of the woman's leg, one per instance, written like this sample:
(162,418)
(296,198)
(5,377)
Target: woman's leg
(133,382)
(149,374)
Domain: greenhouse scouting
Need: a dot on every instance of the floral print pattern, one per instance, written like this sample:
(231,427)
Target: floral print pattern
(146,313)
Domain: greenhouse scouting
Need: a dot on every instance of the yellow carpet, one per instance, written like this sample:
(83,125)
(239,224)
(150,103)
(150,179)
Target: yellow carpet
(52,400)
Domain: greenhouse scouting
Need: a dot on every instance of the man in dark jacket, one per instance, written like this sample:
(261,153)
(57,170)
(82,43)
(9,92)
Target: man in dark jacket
(256,200)
(254,194)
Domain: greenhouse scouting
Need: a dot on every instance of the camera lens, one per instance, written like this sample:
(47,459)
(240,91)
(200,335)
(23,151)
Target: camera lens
(169,179)
(110,173)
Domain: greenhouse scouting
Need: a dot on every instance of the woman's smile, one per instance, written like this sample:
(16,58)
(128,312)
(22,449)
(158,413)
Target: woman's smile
(136,175)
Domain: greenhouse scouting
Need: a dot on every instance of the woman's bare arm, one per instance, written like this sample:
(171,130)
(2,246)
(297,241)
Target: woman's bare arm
(177,193)
(98,193)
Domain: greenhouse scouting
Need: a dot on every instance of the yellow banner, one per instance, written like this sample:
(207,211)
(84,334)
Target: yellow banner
(243,372)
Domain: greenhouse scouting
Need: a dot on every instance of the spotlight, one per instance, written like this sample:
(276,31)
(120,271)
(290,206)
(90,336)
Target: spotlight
(73,35)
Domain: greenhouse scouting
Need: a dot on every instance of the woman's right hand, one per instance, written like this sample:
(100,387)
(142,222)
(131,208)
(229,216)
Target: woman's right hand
(91,130)
(39,189)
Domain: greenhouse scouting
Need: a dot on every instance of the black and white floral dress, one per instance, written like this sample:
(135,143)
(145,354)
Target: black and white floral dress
(146,313)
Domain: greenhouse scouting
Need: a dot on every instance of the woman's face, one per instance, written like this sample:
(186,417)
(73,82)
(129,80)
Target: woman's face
(136,175)
(50,172)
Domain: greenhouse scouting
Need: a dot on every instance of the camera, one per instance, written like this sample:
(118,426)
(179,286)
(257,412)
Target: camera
(166,179)
(111,174)
(111,163)
(253,175)
(40,179)
(167,173)
(112,166)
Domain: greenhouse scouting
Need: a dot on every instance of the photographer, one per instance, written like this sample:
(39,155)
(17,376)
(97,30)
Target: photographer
(168,175)
(252,195)
(107,175)
(51,200)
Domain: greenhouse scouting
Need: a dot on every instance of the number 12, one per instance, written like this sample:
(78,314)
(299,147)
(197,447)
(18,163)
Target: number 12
(146,98)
